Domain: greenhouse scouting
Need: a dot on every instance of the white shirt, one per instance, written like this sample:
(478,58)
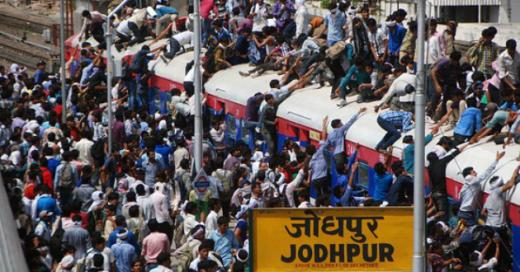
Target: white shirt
(184,37)
(508,66)
(161,268)
(180,154)
(259,20)
(398,86)
(434,49)
(123,28)
(190,76)
(189,223)
(84,146)
(147,206)
(291,187)
(160,205)
(377,40)
(495,206)
(211,222)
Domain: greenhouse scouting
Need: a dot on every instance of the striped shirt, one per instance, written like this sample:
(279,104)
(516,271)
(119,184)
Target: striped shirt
(400,119)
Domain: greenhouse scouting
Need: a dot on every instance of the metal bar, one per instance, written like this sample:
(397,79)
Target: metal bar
(197,82)
(418,205)
(62,63)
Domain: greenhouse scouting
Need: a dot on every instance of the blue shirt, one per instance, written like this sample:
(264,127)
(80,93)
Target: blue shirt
(469,123)
(112,238)
(46,203)
(224,244)
(408,157)
(382,186)
(336,138)
(335,25)
(395,39)
(52,164)
(124,254)
(400,119)
(318,163)
(39,76)
(509,106)
(165,152)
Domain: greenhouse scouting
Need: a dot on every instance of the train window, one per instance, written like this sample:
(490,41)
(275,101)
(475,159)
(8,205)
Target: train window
(363,172)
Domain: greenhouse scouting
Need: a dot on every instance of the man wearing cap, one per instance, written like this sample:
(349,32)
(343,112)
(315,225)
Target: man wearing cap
(495,206)
(124,252)
(43,227)
(471,189)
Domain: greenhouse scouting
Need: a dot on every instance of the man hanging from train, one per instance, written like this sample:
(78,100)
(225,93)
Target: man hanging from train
(93,24)
(470,192)
(336,140)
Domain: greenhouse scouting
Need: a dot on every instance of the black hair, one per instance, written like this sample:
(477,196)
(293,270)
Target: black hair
(467,171)
(380,168)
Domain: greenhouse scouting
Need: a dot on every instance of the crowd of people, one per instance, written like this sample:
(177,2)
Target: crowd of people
(80,208)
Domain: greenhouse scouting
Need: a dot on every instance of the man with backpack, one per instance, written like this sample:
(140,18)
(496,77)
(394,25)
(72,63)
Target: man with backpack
(65,179)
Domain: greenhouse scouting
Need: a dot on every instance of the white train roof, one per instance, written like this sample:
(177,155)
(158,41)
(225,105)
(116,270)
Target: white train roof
(173,70)
(310,105)
(230,85)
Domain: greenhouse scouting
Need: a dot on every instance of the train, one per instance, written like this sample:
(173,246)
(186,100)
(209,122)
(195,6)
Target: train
(300,119)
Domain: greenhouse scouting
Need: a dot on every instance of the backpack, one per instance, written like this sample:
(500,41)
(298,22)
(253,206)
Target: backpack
(67,179)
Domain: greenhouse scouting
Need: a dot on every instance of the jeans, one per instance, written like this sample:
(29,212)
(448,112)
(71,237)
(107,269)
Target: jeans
(391,136)
(175,47)
(470,217)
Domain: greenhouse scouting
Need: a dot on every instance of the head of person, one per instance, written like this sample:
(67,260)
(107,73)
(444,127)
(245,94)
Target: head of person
(190,208)
(400,15)
(333,8)
(205,247)
(469,172)
(365,13)
(41,65)
(86,14)
(487,35)
(432,25)
(269,99)
(380,169)
(511,47)
(214,204)
(455,57)
(432,157)
(372,25)
(164,259)
(336,123)
(397,168)
(222,224)
(274,84)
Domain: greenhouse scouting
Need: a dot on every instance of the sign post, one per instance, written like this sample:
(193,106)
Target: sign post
(331,239)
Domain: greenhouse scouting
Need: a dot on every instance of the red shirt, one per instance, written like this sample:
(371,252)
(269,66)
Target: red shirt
(46,177)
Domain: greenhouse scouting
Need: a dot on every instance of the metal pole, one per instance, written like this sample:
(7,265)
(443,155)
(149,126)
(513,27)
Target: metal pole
(109,82)
(479,11)
(197,151)
(62,63)
(110,65)
(418,205)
